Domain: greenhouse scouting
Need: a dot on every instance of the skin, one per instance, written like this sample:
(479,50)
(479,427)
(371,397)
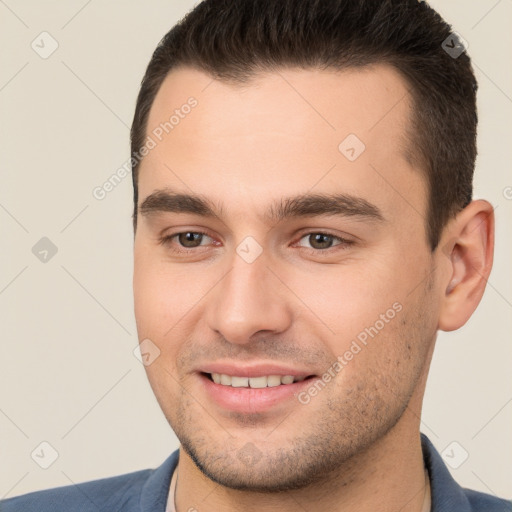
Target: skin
(356,444)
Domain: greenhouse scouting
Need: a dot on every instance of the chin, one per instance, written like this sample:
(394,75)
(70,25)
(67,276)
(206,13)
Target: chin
(261,474)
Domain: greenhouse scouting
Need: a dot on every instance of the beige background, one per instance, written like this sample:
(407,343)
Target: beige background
(68,375)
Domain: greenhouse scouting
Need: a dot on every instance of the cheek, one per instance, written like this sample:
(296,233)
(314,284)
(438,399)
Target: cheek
(160,302)
(380,365)
(169,302)
(349,299)
(146,296)
(161,294)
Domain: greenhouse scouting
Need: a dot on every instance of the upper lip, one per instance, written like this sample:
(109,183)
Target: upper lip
(253,370)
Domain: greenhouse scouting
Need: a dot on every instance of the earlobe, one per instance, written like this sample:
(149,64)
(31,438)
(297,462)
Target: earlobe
(469,245)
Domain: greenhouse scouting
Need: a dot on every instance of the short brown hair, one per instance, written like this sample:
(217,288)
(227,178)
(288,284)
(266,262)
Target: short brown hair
(233,40)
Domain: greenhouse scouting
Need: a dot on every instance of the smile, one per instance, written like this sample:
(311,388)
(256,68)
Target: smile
(254,382)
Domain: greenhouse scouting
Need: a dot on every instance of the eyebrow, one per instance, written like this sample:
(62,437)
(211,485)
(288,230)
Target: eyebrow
(305,205)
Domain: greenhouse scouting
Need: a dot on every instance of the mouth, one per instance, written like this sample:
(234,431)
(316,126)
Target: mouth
(259,382)
(258,391)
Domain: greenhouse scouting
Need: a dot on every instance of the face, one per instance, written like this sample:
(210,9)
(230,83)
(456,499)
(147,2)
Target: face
(302,256)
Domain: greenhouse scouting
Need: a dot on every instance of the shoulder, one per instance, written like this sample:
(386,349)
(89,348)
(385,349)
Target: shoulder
(481,502)
(103,494)
(123,492)
(88,496)
(447,495)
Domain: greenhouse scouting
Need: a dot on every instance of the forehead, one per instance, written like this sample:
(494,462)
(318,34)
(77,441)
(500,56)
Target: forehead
(284,132)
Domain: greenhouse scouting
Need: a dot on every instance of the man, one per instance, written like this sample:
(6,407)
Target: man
(304,226)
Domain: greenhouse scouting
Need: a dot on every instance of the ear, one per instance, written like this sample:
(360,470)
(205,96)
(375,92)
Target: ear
(468,243)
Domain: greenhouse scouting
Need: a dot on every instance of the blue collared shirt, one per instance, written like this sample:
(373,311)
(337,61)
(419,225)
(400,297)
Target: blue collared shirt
(147,491)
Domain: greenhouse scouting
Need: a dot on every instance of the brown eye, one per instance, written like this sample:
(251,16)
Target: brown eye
(184,242)
(189,239)
(320,243)
(320,240)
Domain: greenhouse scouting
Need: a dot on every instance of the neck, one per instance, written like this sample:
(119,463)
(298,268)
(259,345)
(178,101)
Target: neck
(388,477)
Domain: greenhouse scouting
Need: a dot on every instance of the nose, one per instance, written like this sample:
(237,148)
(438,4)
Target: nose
(249,299)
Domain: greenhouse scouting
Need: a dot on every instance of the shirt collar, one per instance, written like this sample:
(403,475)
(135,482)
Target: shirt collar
(446,493)
(156,489)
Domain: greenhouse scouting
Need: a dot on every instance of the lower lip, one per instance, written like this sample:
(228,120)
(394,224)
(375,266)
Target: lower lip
(252,400)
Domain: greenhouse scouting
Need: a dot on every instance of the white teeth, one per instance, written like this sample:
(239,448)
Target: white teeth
(273,380)
(254,382)
(258,382)
(225,379)
(239,382)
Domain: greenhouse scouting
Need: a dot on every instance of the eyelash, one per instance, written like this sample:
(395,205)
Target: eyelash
(342,245)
